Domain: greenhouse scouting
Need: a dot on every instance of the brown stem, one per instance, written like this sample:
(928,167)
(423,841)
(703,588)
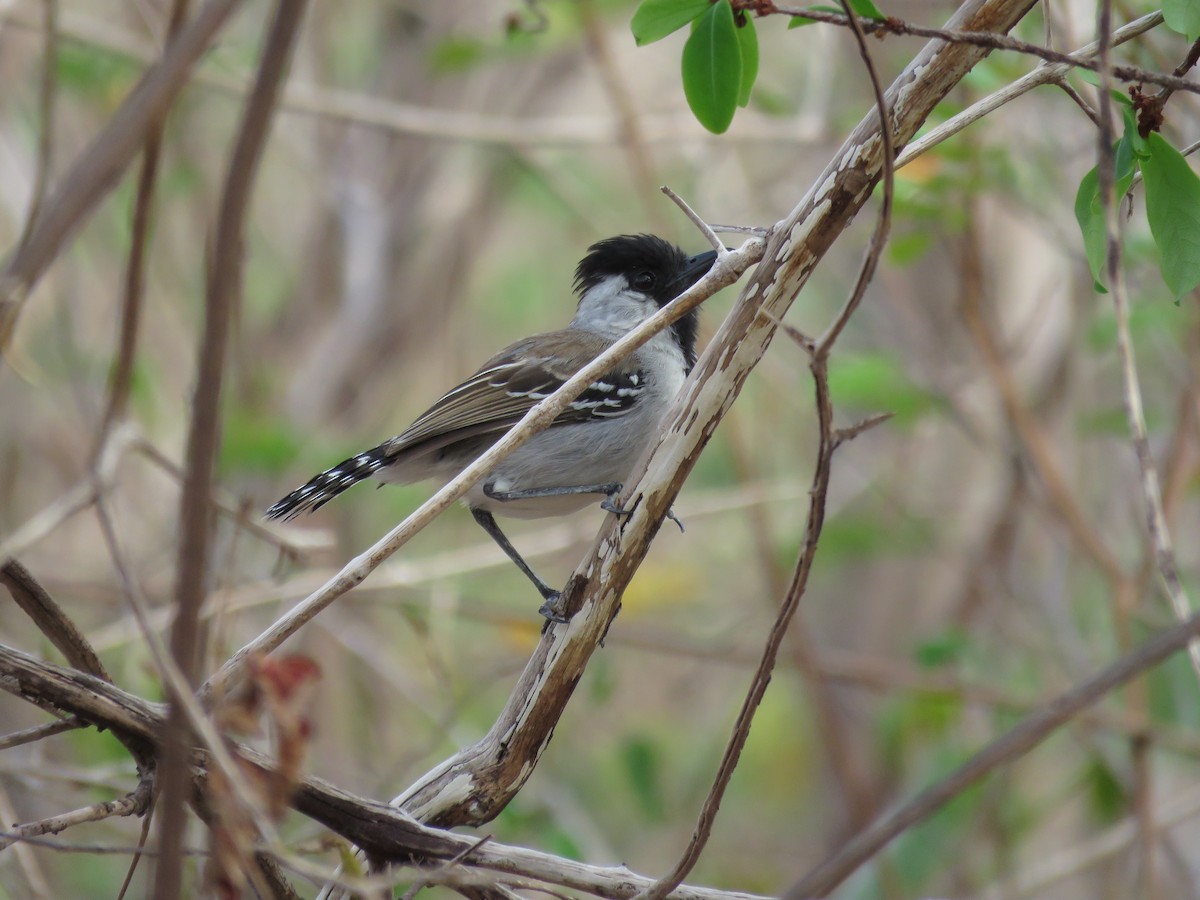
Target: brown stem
(222,300)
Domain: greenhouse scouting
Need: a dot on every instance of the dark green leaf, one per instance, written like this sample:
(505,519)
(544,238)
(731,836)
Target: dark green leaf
(1090,215)
(945,649)
(1091,225)
(1136,143)
(1173,208)
(712,68)
(867,9)
(748,42)
(655,19)
(1182,16)
(1104,791)
(643,763)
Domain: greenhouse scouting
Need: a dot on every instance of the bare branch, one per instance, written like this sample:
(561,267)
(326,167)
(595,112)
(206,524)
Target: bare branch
(476,783)
(383,830)
(223,298)
(827,443)
(39,732)
(1156,521)
(1046,73)
(50,619)
(132,804)
(1018,741)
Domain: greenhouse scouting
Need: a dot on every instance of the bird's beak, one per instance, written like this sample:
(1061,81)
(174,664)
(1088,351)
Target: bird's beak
(694,268)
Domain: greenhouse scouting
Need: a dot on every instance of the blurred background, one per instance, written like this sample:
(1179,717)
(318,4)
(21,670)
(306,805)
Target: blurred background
(434,174)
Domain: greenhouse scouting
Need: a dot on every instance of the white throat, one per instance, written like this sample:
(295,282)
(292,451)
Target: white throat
(611,308)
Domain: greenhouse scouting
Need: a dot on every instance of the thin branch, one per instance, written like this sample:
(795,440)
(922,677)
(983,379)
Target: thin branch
(477,782)
(1045,73)
(724,272)
(47,91)
(222,301)
(709,234)
(78,498)
(198,727)
(385,831)
(1065,86)
(995,41)
(1015,743)
(1156,521)
(827,443)
(121,379)
(39,732)
(50,619)
(132,804)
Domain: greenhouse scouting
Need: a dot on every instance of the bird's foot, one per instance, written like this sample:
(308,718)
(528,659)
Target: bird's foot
(609,503)
(550,610)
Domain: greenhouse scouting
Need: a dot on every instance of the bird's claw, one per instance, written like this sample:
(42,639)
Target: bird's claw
(550,611)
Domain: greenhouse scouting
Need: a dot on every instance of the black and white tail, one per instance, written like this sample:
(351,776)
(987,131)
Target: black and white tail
(324,487)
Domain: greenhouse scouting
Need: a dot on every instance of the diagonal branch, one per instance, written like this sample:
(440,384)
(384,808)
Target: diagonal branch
(474,785)
(1018,741)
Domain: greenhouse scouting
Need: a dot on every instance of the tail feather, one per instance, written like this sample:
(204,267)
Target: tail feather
(324,487)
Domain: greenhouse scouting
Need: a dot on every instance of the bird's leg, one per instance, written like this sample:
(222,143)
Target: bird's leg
(549,609)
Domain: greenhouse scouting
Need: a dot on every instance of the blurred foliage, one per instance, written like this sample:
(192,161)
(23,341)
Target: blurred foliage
(406,228)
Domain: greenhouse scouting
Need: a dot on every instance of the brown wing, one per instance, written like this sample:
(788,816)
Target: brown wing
(511,383)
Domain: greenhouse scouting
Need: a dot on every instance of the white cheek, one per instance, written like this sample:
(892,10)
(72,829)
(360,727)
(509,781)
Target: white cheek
(612,306)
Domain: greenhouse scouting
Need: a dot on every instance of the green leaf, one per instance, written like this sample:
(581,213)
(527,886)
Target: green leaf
(1091,225)
(655,19)
(712,68)
(1182,16)
(866,9)
(1093,78)
(942,650)
(748,43)
(643,763)
(1173,208)
(1089,213)
(1105,793)
(878,383)
(255,443)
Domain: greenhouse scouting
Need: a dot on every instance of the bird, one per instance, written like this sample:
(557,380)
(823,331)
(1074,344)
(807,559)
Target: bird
(590,449)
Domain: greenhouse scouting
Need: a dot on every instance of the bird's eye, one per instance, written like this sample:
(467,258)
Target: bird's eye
(644,281)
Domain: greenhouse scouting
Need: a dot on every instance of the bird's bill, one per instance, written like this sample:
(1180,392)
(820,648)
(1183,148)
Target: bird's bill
(694,268)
